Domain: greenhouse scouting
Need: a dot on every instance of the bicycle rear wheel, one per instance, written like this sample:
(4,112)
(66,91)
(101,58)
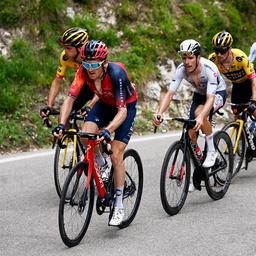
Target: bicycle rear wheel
(133,186)
(174,180)
(64,161)
(239,154)
(76,206)
(219,176)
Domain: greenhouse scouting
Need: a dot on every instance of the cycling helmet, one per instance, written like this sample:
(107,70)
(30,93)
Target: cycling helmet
(94,49)
(74,37)
(222,40)
(191,47)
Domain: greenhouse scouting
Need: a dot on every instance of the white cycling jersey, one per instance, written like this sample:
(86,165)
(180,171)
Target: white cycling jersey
(211,80)
(252,54)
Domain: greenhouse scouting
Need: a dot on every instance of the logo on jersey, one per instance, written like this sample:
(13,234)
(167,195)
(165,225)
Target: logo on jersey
(239,59)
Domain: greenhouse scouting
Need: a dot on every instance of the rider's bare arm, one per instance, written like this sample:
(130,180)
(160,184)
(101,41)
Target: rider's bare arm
(54,91)
(118,119)
(93,101)
(66,109)
(253,80)
(208,105)
(165,102)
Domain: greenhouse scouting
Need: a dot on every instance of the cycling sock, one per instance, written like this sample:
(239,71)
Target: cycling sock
(119,197)
(210,144)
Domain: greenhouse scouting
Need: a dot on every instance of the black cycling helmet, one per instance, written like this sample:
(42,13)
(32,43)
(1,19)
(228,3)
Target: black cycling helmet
(75,37)
(94,49)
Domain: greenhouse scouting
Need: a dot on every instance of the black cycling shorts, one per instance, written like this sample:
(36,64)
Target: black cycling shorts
(241,92)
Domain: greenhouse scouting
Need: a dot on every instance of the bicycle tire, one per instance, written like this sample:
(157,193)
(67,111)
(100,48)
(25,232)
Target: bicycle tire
(240,153)
(133,186)
(63,162)
(219,179)
(72,204)
(171,204)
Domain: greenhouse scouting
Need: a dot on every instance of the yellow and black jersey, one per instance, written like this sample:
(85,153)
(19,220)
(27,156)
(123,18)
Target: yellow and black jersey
(64,63)
(240,70)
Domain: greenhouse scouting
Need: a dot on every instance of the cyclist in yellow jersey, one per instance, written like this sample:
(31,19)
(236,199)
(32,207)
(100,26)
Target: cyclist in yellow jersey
(72,40)
(235,65)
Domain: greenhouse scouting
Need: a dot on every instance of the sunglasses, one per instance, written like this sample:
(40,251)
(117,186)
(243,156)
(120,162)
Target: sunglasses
(221,51)
(87,65)
(185,54)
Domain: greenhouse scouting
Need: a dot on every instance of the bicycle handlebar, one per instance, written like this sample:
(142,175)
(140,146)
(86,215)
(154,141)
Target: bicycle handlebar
(90,136)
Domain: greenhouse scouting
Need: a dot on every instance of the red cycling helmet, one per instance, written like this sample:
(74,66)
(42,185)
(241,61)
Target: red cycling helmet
(93,50)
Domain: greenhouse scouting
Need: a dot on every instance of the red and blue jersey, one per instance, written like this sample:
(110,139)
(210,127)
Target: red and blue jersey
(116,87)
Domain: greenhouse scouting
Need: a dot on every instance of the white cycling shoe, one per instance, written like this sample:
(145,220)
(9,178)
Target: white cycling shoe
(117,217)
(210,159)
(191,187)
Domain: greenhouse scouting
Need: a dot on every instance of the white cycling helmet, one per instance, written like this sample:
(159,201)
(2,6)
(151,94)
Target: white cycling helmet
(190,47)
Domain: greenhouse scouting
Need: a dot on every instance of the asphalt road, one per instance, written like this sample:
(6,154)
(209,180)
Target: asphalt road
(29,212)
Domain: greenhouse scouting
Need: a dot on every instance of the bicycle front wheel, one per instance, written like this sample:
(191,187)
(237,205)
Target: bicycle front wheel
(174,180)
(64,160)
(219,176)
(76,205)
(133,186)
(239,151)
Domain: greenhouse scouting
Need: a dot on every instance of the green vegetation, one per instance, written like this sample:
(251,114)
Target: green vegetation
(151,33)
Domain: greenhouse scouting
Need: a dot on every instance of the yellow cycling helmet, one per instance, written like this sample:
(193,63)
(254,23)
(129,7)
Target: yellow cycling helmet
(222,39)
(75,37)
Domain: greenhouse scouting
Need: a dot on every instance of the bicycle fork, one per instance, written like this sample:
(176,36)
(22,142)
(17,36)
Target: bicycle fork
(74,156)
(180,175)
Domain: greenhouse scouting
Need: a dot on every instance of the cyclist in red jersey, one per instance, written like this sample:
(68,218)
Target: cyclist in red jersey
(115,110)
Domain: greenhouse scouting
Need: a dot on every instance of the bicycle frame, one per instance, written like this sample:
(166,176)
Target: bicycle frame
(74,129)
(187,146)
(242,121)
(185,139)
(89,158)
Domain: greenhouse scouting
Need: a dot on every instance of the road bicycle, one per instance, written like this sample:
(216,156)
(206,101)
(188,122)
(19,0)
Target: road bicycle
(69,151)
(242,137)
(176,169)
(77,198)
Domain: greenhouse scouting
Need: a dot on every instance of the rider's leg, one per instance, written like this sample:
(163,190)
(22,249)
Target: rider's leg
(117,156)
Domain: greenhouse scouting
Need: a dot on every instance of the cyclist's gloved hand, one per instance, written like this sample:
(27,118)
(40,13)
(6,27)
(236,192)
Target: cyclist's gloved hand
(58,130)
(252,107)
(85,111)
(105,134)
(158,119)
(45,111)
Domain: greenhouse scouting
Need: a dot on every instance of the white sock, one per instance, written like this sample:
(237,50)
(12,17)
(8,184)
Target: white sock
(210,144)
(119,197)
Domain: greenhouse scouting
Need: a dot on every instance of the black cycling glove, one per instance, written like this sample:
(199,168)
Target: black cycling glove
(58,129)
(45,111)
(85,111)
(106,134)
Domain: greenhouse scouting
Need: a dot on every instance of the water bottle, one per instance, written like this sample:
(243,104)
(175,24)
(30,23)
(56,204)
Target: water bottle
(103,165)
(99,158)
(198,152)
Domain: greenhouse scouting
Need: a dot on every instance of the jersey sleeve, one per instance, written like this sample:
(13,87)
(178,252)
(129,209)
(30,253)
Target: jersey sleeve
(246,64)
(177,78)
(77,84)
(120,82)
(61,71)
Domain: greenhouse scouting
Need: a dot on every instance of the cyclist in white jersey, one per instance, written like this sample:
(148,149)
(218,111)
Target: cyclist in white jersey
(209,93)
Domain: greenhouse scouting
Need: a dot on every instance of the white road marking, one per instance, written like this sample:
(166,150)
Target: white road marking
(30,155)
